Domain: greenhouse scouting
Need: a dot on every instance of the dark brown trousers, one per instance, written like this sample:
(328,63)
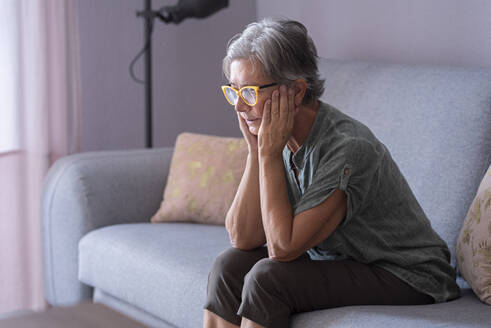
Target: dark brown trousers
(249,284)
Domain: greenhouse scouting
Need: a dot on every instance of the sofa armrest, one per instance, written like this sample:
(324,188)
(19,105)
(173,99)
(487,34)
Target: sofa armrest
(87,191)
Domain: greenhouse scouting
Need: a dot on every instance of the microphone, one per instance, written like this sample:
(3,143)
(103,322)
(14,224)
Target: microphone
(190,9)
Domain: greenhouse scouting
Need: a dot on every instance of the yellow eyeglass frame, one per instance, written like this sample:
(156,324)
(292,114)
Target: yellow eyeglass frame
(239,92)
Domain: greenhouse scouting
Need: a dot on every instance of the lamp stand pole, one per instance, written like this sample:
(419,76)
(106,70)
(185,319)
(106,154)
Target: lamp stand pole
(167,14)
(148,73)
(149,16)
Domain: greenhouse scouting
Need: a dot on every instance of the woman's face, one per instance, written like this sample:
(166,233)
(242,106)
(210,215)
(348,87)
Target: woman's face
(242,73)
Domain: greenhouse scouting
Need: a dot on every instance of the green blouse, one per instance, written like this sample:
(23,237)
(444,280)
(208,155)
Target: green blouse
(384,224)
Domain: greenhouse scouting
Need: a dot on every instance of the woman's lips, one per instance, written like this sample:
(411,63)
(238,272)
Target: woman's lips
(251,121)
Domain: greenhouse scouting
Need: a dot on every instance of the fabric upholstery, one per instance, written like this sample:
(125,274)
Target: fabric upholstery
(204,176)
(474,242)
(117,259)
(90,190)
(131,311)
(162,268)
(466,311)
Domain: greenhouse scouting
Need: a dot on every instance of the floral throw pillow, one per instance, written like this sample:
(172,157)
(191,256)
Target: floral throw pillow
(474,242)
(204,176)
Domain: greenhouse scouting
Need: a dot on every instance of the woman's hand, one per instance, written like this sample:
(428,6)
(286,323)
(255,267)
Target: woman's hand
(277,122)
(248,136)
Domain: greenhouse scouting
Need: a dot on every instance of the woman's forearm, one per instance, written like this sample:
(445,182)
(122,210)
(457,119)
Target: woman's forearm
(243,222)
(275,206)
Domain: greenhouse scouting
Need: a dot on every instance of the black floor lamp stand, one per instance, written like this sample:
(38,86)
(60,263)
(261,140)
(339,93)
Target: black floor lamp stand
(149,17)
(168,14)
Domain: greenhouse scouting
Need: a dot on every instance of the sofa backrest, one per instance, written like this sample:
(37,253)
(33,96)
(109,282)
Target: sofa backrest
(436,122)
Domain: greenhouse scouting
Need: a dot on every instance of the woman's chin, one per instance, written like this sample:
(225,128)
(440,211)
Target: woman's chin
(253,130)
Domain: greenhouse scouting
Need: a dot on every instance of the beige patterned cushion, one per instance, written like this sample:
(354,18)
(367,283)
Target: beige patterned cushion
(204,176)
(474,242)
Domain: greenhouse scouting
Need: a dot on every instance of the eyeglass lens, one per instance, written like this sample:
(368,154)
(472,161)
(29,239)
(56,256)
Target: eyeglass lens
(231,95)
(249,95)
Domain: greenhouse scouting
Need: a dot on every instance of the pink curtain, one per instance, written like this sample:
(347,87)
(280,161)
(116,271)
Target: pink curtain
(49,117)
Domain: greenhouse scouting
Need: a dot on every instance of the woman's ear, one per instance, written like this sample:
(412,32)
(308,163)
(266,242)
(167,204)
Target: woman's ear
(299,87)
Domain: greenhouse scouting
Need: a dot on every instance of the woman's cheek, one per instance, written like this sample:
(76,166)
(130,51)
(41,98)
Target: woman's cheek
(259,108)
(254,127)
(258,112)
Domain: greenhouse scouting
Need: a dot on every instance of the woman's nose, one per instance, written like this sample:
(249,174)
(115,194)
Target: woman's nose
(241,106)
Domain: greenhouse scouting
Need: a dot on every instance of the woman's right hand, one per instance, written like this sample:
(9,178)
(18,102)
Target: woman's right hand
(248,136)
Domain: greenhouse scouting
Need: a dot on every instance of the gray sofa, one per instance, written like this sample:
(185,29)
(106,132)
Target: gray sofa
(98,243)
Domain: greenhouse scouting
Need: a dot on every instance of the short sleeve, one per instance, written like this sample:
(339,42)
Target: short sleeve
(351,169)
(364,179)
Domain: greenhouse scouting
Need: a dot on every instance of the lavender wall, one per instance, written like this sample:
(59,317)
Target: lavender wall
(436,32)
(186,71)
(187,57)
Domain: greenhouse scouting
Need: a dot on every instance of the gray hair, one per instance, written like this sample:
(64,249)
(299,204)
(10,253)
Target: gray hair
(284,49)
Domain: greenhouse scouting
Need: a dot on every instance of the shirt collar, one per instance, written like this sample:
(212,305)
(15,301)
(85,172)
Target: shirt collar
(302,153)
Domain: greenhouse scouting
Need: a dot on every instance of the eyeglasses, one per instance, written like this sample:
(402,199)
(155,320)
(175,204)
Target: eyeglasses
(249,93)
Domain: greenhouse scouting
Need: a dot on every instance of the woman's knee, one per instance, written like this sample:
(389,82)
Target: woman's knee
(226,279)
(265,275)
(264,298)
(227,261)
(229,268)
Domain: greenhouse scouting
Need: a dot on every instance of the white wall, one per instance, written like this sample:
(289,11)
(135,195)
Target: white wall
(436,32)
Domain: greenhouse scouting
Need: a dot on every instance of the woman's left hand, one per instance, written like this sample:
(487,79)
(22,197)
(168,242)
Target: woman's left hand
(277,122)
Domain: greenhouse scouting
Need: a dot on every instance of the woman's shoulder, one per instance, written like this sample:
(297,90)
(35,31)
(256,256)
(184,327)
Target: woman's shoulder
(340,131)
(335,121)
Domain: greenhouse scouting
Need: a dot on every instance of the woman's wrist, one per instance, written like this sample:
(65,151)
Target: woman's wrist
(253,155)
(253,151)
(267,154)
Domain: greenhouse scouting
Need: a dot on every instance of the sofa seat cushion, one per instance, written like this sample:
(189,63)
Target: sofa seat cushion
(163,270)
(466,311)
(160,268)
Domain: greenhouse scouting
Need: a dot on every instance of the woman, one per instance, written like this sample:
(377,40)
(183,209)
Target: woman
(341,224)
